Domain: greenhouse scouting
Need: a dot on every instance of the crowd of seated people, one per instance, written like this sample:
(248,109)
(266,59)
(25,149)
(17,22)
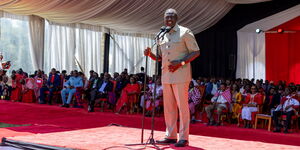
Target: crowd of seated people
(238,100)
(243,99)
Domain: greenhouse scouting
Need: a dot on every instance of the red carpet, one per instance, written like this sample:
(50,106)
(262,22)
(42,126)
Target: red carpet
(115,138)
(49,119)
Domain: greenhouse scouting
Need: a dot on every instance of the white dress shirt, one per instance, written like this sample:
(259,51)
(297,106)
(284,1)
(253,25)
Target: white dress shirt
(290,102)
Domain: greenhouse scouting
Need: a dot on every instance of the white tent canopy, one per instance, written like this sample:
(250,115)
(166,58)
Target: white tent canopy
(125,15)
(74,30)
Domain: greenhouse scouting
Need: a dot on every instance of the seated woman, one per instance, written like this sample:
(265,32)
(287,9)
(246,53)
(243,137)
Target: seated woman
(28,95)
(16,94)
(251,102)
(194,99)
(40,81)
(128,94)
(236,97)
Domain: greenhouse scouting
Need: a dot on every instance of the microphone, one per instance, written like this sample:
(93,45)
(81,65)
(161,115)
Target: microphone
(167,30)
(162,29)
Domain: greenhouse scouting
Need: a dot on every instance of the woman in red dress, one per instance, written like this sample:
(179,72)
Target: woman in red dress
(39,80)
(251,106)
(16,93)
(129,94)
(28,90)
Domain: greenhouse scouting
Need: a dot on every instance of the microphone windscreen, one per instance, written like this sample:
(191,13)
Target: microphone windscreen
(168,29)
(162,28)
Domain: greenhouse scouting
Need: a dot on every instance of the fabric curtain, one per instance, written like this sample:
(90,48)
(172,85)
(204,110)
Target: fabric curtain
(59,47)
(73,46)
(37,28)
(89,52)
(136,16)
(127,51)
(251,55)
(283,59)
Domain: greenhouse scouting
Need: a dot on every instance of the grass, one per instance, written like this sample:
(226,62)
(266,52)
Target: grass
(6,125)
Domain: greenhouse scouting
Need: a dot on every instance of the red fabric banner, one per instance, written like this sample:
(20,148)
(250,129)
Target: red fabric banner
(283,57)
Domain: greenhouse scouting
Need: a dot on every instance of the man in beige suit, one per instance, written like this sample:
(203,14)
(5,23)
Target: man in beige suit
(177,49)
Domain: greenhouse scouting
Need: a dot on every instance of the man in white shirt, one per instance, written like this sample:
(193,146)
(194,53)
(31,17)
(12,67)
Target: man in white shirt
(288,109)
(218,102)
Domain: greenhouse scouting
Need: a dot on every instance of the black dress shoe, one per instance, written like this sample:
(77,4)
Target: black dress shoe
(90,109)
(208,124)
(193,121)
(65,105)
(212,123)
(166,141)
(277,130)
(182,143)
(217,124)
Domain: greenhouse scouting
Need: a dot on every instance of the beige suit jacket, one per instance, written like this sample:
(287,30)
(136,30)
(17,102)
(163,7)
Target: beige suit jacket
(175,45)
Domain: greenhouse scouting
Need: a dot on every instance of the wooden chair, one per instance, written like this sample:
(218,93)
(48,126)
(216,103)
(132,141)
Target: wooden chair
(259,108)
(102,101)
(263,117)
(56,96)
(225,115)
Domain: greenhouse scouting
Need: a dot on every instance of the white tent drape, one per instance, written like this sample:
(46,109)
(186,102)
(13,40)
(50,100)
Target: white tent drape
(37,28)
(89,50)
(251,46)
(127,51)
(251,55)
(136,16)
(73,47)
(59,47)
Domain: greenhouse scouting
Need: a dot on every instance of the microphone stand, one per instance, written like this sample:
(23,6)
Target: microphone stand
(151,140)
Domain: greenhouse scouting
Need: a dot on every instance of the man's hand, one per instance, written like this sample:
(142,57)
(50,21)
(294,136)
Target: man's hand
(175,64)
(289,106)
(71,87)
(147,51)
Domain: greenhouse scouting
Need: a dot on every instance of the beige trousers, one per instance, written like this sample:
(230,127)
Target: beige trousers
(176,96)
